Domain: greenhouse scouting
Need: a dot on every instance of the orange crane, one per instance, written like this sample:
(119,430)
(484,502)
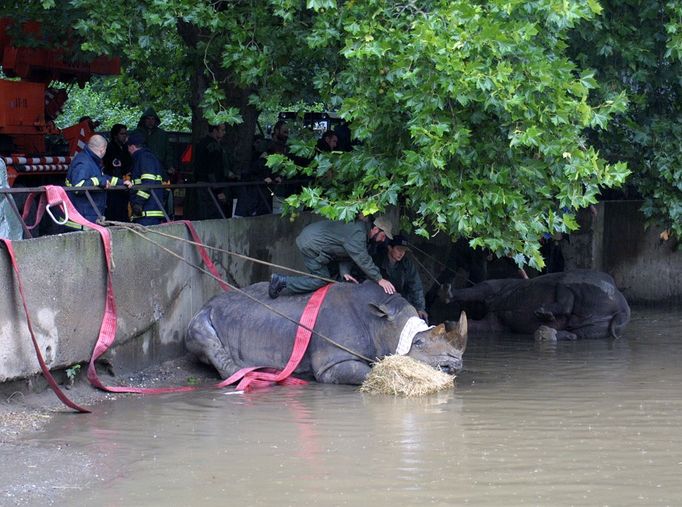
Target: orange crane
(29,105)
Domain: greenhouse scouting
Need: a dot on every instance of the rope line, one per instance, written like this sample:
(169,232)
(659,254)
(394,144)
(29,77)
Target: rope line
(414,258)
(430,257)
(140,230)
(442,264)
(221,250)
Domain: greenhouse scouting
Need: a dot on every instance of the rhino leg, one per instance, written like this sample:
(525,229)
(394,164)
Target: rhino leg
(478,293)
(566,335)
(562,307)
(352,371)
(203,342)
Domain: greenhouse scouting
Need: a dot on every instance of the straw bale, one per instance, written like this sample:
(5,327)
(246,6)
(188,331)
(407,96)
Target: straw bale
(404,376)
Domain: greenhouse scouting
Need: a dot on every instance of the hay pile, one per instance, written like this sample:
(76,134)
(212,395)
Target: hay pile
(404,376)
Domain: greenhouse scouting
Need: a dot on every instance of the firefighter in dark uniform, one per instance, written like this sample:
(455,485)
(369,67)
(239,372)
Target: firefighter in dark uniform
(86,170)
(325,242)
(146,170)
(402,272)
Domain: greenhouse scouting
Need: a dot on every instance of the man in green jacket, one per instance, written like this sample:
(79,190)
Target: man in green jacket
(325,242)
(402,272)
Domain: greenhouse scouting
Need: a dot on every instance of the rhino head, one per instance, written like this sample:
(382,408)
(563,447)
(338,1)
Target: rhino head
(442,346)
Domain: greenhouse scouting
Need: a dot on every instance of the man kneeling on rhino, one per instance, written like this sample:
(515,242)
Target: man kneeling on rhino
(325,242)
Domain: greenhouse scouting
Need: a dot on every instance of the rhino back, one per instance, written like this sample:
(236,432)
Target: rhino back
(587,286)
(252,334)
(256,336)
(350,321)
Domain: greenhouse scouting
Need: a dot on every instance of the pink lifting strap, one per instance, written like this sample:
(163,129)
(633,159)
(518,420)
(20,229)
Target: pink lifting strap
(250,377)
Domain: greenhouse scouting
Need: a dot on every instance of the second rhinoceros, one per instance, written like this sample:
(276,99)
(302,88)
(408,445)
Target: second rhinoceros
(232,332)
(577,304)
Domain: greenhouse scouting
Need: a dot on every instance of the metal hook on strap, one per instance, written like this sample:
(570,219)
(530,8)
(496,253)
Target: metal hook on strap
(66,212)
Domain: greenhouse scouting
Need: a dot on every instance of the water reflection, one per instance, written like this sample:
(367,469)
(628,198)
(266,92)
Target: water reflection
(570,423)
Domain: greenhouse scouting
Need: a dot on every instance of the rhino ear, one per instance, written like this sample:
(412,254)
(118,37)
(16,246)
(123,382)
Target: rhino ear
(380,311)
(457,332)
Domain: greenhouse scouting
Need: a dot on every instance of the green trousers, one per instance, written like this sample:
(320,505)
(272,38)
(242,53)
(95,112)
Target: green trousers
(302,284)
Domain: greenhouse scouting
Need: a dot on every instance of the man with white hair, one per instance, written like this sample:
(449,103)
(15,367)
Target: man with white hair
(86,170)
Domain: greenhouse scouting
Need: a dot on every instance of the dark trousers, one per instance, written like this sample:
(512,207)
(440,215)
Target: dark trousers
(148,220)
(302,284)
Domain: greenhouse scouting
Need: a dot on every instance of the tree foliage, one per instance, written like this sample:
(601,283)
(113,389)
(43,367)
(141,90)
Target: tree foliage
(636,46)
(470,114)
(102,100)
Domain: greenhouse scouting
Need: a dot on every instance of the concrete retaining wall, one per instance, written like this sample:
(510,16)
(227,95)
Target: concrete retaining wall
(646,269)
(156,293)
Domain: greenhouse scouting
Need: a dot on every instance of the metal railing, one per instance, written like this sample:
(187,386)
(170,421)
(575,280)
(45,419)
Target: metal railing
(211,188)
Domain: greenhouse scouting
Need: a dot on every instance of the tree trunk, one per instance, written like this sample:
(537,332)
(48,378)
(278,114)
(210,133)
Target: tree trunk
(198,82)
(238,138)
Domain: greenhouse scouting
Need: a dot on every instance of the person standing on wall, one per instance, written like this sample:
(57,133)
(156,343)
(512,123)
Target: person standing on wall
(146,170)
(156,140)
(117,162)
(209,167)
(86,170)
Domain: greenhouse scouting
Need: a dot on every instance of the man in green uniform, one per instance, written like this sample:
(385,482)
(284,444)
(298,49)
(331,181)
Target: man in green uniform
(324,242)
(401,271)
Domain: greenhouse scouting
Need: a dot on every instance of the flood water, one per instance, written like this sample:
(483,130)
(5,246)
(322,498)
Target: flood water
(586,423)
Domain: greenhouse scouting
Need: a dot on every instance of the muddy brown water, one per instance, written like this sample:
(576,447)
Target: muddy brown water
(586,423)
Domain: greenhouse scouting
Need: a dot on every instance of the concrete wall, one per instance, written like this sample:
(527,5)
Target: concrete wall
(156,293)
(646,269)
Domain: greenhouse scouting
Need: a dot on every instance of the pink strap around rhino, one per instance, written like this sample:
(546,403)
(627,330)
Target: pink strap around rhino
(267,377)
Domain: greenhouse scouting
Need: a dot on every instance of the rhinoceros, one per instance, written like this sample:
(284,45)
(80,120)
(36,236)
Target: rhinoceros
(232,332)
(577,304)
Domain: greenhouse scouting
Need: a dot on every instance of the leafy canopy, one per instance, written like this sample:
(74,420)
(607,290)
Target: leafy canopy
(469,114)
(637,47)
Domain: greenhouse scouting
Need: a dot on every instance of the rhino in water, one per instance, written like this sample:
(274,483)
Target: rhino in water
(577,304)
(232,332)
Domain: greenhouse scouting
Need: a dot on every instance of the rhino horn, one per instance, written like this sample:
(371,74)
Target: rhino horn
(457,332)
